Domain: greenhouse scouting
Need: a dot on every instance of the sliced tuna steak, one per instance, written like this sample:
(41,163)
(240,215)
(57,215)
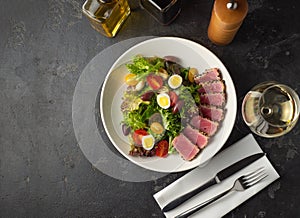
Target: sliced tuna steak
(195,136)
(215,99)
(204,125)
(212,87)
(209,75)
(212,112)
(185,147)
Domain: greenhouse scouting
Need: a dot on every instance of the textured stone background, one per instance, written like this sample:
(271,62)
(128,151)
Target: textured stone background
(45,45)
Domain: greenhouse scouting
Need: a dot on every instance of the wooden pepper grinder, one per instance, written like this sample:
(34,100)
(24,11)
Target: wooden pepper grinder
(226,18)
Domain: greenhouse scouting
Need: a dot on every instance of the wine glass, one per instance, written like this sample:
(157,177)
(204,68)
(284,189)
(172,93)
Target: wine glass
(271,109)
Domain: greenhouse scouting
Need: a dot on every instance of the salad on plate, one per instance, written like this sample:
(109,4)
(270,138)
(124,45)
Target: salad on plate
(168,108)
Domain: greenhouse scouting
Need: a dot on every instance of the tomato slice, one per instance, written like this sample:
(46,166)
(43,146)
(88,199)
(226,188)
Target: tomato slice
(173,98)
(154,81)
(177,107)
(162,148)
(138,135)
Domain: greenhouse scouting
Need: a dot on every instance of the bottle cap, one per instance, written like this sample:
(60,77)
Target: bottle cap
(232,5)
(164,11)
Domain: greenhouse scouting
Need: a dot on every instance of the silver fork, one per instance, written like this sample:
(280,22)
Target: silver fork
(242,183)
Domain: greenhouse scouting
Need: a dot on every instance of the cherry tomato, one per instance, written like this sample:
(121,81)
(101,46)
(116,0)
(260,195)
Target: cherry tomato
(154,81)
(157,128)
(173,98)
(137,136)
(130,79)
(162,148)
(178,106)
(191,74)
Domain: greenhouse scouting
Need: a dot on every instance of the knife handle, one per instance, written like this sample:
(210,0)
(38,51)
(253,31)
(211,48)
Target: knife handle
(193,210)
(176,202)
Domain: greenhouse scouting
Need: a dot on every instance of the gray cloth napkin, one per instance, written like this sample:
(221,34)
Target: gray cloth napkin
(197,177)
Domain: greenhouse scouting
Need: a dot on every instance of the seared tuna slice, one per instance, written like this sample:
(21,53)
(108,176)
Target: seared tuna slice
(212,112)
(215,99)
(195,136)
(204,125)
(209,75)
(212,87)
(185,147)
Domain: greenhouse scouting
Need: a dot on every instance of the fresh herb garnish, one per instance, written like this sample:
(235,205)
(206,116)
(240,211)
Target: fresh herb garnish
(142,66)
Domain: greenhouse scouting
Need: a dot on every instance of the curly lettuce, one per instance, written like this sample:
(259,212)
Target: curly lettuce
(142,66)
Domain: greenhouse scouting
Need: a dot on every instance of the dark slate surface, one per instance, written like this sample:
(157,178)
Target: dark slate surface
(45,45)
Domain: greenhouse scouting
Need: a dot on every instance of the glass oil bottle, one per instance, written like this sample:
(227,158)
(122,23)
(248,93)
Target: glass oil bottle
(164,11)
(106,16)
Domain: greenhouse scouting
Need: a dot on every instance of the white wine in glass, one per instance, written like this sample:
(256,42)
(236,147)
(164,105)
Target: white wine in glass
(271,109)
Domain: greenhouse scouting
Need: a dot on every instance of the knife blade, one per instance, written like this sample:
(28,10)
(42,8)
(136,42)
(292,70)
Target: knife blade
(220,176)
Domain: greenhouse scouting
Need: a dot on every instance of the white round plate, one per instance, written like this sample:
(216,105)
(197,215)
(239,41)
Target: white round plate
(191,54)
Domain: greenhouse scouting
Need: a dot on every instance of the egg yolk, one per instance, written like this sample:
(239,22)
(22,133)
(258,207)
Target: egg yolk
(148,142)
(163,101)
(175,81)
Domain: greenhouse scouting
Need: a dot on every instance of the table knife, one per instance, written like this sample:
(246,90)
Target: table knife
(223,174)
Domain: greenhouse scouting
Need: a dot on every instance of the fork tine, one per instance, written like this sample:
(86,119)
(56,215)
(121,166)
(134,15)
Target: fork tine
(255,177)
(254,173)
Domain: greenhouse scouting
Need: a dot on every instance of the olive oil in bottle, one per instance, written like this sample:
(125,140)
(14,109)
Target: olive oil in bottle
(106,16)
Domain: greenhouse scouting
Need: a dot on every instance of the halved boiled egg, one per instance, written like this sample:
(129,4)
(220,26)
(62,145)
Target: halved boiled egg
(175,81)
(148,142)
(163,100)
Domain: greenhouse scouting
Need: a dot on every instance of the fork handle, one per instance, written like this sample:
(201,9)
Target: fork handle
(176,202)
(194,209)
